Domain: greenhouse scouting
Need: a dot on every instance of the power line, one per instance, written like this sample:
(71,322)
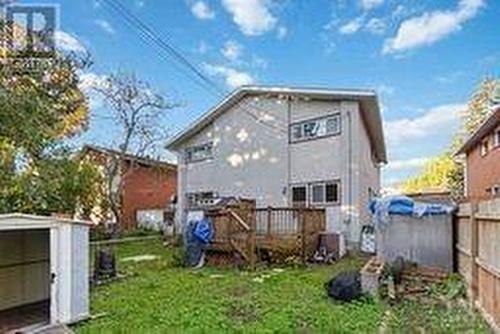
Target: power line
(149,35)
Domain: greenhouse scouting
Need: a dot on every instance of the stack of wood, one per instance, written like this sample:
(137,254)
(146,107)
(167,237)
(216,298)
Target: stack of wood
(417,280)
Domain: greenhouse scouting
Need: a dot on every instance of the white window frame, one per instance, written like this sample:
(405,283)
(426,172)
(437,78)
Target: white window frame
(210,155)
(324,202)
(301,127)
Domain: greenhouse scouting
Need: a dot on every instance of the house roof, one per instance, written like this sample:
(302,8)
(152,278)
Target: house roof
(367,98)
(130,157)
(485,128)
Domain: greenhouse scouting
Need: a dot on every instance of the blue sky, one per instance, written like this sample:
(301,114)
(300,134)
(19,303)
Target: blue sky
(424,58)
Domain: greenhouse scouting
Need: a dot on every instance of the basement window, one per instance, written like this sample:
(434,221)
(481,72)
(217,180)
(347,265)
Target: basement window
(199,152)
(325,193)
(299,196)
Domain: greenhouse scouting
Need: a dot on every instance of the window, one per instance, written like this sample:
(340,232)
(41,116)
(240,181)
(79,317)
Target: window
(485,147)
(199,153)
(497,138)
(299,196)
(318,193)
(315,128)
(332,192)
(324,193)
(198,199)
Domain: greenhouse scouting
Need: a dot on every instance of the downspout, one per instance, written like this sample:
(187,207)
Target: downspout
(288,151)
(349,171)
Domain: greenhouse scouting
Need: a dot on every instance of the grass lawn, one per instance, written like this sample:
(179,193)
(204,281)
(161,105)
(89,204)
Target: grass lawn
(156,296)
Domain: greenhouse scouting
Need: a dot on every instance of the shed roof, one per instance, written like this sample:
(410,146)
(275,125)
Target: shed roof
(367,98)
(484,129)
(23,218)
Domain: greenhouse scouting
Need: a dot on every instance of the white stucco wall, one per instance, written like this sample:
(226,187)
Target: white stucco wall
(256,161)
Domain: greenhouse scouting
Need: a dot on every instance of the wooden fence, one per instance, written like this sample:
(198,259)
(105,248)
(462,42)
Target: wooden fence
(284,232)
(478,255)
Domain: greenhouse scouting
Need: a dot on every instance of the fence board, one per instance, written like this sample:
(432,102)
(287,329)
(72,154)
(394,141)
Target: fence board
(478,255)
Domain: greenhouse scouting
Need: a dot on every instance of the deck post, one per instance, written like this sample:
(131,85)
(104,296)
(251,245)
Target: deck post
(303,234)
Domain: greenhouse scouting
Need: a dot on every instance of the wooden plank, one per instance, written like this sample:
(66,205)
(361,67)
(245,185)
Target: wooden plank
(238,219)
(488,218)
(463,250)
(485,266)
(474,250)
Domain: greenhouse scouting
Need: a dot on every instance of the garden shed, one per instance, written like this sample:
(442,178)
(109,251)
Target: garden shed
(43,271)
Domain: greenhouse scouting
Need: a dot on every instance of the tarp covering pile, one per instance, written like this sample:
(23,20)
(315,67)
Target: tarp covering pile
(197,235)
(382,208)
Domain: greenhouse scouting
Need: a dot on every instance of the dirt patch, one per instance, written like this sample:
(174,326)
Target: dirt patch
(242,313)
(238,291)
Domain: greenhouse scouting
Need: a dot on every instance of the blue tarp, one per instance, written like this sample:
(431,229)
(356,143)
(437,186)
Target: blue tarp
(381,208)
(197,235)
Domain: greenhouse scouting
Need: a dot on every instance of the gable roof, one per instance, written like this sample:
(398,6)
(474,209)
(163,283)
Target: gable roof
(485,128)
(367,98)
(128,157)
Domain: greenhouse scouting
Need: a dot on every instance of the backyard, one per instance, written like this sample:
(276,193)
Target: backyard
(158,296)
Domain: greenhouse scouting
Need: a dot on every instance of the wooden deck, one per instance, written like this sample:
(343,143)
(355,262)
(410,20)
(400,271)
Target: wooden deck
(290,232)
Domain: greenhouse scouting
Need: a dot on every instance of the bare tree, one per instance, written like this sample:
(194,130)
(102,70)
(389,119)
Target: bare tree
(137,113)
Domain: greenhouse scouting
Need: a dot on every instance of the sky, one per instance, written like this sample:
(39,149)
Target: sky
(424,58)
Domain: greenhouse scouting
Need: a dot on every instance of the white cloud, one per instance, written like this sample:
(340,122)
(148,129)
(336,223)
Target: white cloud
(232,50)
(370,4)
(430,27)
(106,26)
(281,32)
(376,26)
(88,82)
(232,77)
(202,11)
(432,122)
(352,26)
(67,42)
(397,165)
(140,3)
(253,17)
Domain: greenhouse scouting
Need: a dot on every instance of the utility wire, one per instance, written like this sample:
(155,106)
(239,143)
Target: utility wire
(149,35)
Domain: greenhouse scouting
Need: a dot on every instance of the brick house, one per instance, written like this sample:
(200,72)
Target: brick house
(148,184)
(482,151)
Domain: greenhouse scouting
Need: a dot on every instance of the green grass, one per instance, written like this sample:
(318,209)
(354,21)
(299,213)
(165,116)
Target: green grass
(158,297)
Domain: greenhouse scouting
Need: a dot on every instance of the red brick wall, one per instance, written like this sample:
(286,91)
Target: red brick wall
(482,171)
(144,188)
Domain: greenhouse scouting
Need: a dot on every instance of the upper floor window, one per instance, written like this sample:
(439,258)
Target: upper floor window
(198,152)
(315,128)
(485,147)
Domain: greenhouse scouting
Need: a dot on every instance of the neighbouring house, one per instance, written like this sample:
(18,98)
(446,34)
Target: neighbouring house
(148,187)
(482,151)
(286,147)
